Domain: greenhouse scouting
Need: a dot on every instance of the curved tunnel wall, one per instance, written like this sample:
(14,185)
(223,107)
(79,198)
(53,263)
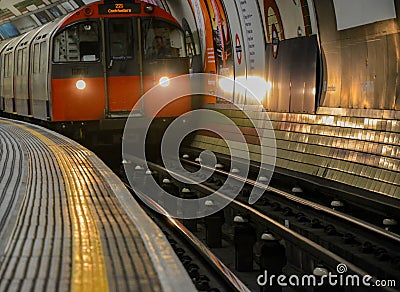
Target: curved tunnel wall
(310,55)
(362,61)
(332,94)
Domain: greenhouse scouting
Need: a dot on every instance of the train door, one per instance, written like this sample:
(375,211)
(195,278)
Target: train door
(122,65)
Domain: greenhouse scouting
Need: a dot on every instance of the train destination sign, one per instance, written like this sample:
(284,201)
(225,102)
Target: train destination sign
(119,8)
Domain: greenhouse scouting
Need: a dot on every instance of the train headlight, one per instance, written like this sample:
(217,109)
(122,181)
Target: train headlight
(80,84)
(164,81)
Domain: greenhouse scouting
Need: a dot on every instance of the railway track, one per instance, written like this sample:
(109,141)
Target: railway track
(207,271)
(295,200)
(369,207)
(325,235)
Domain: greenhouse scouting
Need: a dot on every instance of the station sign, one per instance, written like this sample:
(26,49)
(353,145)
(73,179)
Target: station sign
(275,41)
(119,8)
(238,48)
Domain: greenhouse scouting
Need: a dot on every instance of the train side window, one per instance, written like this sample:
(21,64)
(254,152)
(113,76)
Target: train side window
(10,65)
(43,57)
(24,61)
(7,67)
(19,63)
(79,42)
(191,49)
(36,56)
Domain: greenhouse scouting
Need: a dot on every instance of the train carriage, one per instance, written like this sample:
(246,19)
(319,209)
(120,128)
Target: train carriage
(23,72)
(3,45)
(7,77)
(40,96)
(93,64)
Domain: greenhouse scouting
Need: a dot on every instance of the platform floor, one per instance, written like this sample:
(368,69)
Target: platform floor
(68,223)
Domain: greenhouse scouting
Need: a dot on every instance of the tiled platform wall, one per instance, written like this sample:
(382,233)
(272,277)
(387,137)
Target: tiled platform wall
(361,150)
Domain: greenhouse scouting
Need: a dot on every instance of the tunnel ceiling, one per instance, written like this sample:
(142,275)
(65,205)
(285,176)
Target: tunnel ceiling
(11,9)
(27,14)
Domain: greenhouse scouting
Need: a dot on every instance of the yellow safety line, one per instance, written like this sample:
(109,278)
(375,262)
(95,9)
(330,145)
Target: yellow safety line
(88,266)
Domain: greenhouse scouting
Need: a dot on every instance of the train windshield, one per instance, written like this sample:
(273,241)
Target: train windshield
(162,40)
(120,38)
(79,42)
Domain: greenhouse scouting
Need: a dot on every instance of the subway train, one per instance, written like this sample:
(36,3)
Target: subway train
(92,66)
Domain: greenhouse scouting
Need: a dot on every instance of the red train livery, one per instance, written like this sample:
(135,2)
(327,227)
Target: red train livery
(93,64)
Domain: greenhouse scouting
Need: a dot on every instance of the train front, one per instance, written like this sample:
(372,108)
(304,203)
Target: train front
(107,55)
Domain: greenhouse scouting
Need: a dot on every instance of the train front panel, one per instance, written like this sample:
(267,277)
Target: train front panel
(105,56)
